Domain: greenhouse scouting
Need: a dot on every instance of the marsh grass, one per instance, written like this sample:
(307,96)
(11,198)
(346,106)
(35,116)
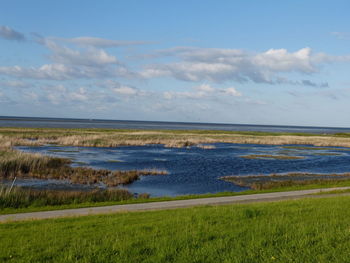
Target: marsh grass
(268,156)
(22,197)
(327,154)
(15,163)
(276,181)
(27,165)
(169,138)
(205,146)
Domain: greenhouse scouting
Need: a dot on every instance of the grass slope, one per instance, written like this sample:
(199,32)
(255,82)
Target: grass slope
(309,230)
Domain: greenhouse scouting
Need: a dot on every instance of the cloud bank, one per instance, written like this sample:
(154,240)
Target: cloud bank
(220,65)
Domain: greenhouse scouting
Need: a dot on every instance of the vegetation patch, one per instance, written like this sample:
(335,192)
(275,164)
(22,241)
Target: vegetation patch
(169,138)
(273,157)
(328,154)
(262,182)
(312,148)
(206,146)
(17,197)
(25,165)
(63,151)
(80,162)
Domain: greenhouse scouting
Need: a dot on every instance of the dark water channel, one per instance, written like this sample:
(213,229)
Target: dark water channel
(196,170)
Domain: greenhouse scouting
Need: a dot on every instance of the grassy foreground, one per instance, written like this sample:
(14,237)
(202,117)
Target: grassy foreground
(308,230)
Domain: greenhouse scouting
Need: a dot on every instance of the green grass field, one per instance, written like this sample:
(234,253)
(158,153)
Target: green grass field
(308,230)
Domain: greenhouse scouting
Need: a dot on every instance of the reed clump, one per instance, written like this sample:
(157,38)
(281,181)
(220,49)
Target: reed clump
(26,165)
(270,156)
(22,197)
(263,182)
(288,183)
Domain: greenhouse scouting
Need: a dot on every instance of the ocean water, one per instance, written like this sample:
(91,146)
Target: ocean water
(195,170)
(124,124)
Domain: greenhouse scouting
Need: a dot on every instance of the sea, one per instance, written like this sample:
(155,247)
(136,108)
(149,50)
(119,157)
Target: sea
(38,122)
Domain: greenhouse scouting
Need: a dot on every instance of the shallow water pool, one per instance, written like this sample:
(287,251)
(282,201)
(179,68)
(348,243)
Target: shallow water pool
(195,170)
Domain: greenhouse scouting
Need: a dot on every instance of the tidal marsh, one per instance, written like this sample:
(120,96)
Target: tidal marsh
(15,164)
(194,170)
(195,159)
(169,138)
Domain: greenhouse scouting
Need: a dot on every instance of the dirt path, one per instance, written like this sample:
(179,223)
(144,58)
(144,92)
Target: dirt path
(266,197)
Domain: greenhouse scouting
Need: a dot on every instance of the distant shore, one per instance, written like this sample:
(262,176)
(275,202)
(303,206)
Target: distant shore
(170,138)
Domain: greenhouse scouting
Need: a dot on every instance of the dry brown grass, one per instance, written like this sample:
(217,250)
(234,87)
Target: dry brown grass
(112,138)
(25,165)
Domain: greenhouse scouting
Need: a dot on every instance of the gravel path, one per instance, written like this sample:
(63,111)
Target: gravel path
(266,197)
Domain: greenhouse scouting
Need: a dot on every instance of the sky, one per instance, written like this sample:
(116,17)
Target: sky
(246,62)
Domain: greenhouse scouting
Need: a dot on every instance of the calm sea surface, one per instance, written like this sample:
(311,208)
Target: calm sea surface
(115,124)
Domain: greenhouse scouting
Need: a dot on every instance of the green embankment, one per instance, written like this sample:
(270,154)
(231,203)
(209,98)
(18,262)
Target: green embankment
(308,230)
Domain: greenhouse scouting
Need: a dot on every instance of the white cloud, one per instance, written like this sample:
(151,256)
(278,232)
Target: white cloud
(61,95)
(280,60)
(204,88)
(47,71)
(219,65)
(14,84)
(65,72)
(69,63)
(203,91)
(231,92)
(80,95)
(11,34)
(90,57)
(122,89)
(125,90)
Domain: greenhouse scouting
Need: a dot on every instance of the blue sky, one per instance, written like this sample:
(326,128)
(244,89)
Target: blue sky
(257,62)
